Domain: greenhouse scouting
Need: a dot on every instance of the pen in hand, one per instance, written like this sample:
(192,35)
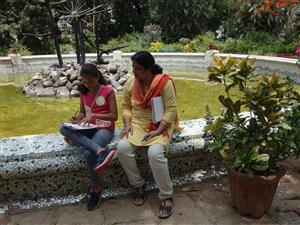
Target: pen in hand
(75,114)
(146,138)
(74,117)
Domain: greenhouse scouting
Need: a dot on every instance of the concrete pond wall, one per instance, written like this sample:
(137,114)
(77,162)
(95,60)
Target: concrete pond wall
(194,65)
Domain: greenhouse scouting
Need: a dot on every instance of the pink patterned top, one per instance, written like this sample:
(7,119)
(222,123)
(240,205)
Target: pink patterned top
(98,103)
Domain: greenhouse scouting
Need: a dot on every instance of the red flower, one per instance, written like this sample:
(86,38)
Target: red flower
(274,12)
(281,4)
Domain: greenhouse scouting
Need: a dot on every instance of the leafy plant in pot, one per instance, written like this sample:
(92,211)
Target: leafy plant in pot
(254,142)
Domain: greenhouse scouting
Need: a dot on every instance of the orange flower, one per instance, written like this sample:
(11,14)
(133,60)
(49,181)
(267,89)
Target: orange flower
(281,4)
(293,3)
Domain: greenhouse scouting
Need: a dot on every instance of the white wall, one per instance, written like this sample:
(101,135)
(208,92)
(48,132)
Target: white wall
(188,62)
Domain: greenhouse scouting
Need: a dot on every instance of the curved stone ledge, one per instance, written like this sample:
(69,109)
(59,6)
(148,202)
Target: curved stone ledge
(33,146)
(38,167)
(188,62)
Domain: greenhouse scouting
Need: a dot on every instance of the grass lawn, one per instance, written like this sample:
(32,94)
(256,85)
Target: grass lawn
(21,115)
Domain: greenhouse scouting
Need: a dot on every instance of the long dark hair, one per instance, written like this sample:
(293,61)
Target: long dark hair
(91,70)
(146,60)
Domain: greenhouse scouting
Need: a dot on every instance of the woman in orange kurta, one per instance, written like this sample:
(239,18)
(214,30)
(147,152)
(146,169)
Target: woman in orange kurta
(139,130)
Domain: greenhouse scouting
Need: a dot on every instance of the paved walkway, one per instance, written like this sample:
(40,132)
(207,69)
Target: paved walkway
(202,203)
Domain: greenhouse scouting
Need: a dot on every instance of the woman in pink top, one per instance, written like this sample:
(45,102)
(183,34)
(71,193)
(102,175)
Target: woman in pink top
(97,106)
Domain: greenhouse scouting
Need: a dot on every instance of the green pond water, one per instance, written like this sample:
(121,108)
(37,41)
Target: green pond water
(21,115)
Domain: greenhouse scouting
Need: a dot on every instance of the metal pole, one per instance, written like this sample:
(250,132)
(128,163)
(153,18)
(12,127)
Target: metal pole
(75,28)
(94,16)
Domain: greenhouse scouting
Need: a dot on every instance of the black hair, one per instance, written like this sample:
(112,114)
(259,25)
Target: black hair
(91,70)
(146,60)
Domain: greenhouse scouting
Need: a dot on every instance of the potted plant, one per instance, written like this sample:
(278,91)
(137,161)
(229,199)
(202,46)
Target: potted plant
(254,142)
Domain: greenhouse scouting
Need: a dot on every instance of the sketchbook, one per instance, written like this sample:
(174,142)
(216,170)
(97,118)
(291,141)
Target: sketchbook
(158,109)
(75,126)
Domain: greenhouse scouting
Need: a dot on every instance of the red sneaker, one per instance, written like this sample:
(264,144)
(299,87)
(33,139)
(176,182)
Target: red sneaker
(104,159)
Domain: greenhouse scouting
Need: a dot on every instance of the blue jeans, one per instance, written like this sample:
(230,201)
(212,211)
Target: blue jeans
(91,140)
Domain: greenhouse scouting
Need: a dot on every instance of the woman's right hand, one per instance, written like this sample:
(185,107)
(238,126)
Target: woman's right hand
(75,119)
(126,130)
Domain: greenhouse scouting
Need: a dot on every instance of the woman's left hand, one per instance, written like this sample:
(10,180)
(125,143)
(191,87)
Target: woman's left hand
(86,120)
(150,135)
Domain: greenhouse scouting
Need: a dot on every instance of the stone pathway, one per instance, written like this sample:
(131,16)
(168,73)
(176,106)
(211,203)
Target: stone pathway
(202,203)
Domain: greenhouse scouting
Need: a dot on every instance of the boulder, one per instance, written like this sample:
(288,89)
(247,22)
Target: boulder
(45,92)
(47,83)
(74,93)
(65,79)
(29,90)
(62,92)
(69,85)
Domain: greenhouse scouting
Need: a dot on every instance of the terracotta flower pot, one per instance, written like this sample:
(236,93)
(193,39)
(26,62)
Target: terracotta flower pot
(253,196)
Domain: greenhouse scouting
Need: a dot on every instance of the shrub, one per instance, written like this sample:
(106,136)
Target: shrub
(3,51)
(133,42)
(175,47)
(90,40)
(184,41)
(67,49)
(183,18)
(152,33)
(201,43)
(265,15)
(255,142)
(130,15)
(259,37)
(280,47)
(155,46)
(221,12)
(20,49)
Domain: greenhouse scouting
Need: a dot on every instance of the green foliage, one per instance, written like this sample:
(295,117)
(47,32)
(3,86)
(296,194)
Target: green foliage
(253,142)
(200,43)
(221,12)
(183,18)
(262,16)
(67,49)
(282,47)
(184,41)
(20,49)
(133,41)
(155,46)
(152,33)
(90,40)
(18,17)
(130,16)
(209,119)
(195,45)
(175,47)
(161,47)
(260,42)
(260,37)
(3,51)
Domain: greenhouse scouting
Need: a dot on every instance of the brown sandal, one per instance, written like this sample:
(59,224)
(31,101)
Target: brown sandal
(139,197)
(165,211)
